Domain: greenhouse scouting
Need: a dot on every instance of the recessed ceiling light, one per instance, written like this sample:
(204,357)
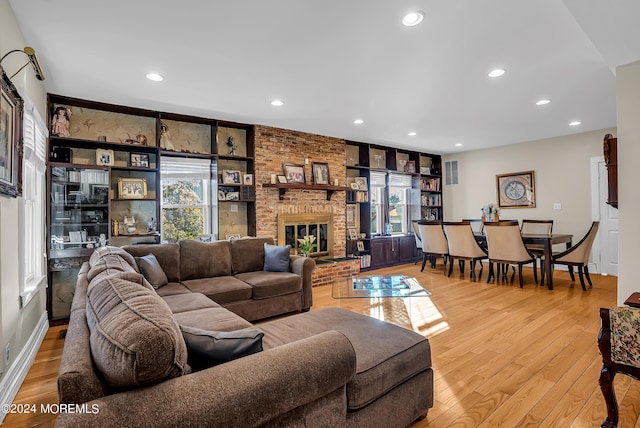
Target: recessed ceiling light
(155,77)
(413,18)
(543,102)
(277,103)
(412,134)
(458,144)
(358,121)
(497,72)
(575,123)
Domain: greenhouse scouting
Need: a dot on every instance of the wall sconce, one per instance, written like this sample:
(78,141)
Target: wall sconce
(31,54)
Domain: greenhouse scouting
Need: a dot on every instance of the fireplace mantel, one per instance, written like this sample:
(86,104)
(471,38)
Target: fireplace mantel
(283,187)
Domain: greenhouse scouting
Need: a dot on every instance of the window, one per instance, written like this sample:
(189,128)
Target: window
(377,195)
(32,205)
(187,198)
(399,187)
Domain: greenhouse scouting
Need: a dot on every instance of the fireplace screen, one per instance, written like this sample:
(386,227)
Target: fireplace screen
(292,228)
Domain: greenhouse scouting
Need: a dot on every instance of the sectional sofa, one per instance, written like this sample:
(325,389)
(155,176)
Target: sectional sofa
(126,361)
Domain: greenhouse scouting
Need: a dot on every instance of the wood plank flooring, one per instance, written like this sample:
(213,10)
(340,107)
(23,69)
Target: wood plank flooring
(502,356)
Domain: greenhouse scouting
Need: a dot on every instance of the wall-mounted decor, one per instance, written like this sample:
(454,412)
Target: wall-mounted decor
(132,188)
(516,190)
(104,157)
(294,173)
(320,173)
(11,106)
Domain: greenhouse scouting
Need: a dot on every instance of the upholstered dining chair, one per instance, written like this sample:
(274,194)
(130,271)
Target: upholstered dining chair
(620,350)
(416,232)
(434,243)
(463,246)
(505,246)
(476,224)
(536,227)
(578,255)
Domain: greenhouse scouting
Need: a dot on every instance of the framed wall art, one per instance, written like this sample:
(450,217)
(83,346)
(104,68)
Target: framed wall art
(516,190)
(11,109)
(132,188)
(320,173)
(294,173)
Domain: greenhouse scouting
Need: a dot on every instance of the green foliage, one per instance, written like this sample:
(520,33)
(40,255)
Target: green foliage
(182,223)
(394,199)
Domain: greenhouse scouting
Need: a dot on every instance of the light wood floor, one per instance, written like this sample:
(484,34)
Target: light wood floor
(502,356)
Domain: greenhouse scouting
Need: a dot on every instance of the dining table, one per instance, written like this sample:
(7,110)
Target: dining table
(547,240)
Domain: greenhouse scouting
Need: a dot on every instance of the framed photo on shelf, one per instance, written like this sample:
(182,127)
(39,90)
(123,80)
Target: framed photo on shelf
(361,182)
(282,179)
(99,193)
(140,160)
(230,177)
(247,179)
(221,195)
(294,173)
(104,157)
(410,166)
(233,196)
(231,236)
(353,235)
(516,190)
(11,106)
(132,188)
(425,170)
(360,245)
(320,173)
(352,216)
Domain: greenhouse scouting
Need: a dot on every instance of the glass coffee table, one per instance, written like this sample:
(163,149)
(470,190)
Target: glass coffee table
(377,286)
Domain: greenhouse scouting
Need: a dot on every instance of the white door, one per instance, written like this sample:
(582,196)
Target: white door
(608,230)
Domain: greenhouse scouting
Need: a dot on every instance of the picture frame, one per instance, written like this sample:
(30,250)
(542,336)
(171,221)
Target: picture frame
(516,190)
(132,188)
(140,160)
(221,195)
(320,172)
(231,177)
(361,182)
(360,245)
(352,216)
(247,179)
(353,235)
(11,110)
(99,193)
(105,157)
(207,238)
(425,170)
(294,173)
(410,167)
(282,179)
(231,236)
(233,196)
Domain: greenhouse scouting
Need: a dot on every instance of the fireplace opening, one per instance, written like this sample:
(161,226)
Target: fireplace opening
(292,227)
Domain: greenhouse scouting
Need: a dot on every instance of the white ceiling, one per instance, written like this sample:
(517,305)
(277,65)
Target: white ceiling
(333,61)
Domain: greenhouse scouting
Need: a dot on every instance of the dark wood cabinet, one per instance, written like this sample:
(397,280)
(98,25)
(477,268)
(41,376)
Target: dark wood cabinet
(392,250)
(611,161)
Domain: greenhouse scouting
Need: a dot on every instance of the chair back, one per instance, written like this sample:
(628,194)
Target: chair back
(580,252)
(461,241)
(537,227)
(476,224)
(434,241)
(504,242)
(416,231)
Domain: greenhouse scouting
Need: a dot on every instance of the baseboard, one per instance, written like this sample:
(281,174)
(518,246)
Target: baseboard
(13,378)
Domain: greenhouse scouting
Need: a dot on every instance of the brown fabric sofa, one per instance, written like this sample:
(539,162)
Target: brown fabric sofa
(231,274)
(324,368)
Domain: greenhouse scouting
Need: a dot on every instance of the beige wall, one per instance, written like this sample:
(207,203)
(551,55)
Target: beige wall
(628,110)
(16,324)
(562,174)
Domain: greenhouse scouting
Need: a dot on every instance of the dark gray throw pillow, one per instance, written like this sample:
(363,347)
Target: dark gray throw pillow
(209,348)
(151,270)
(276,258)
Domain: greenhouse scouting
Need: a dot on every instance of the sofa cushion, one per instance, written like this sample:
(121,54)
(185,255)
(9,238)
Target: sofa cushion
(189,302)
(214,319)
(98,253)
(271,284)
(172,288)
(109,264)
(151,269)
(221,289)
(134,341)
(277,257)
(247,254)
(204,259)
(210,348)
(388,355)
(168,255)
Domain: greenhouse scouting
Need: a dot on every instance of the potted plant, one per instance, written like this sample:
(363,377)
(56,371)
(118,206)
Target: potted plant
(490,212)
(307,244)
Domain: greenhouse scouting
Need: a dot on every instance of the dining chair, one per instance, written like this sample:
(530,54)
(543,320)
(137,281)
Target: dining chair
(476,224)
(536,227)
(416,232)
(578,255)
(463,246)
(434,243)
(505,246)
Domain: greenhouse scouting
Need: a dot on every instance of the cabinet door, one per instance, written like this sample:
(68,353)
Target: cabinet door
(406,246)
(379,252)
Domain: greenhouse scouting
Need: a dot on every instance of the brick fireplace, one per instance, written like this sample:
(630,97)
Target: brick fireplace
(292,227)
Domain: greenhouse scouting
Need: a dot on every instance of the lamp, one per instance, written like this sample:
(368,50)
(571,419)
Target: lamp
(31,54)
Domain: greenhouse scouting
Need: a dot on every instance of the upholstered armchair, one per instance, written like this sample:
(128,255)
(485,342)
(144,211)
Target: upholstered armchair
(619,343)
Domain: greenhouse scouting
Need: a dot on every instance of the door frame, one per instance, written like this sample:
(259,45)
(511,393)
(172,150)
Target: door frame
(596,198)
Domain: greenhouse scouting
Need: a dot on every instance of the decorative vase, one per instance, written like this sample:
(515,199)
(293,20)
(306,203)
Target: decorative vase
(306,253)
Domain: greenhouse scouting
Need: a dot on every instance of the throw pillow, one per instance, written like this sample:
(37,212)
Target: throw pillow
(276,258)
(209,348)
(152,270)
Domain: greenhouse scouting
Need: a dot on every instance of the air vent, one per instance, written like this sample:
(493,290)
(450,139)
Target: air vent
(451,172)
